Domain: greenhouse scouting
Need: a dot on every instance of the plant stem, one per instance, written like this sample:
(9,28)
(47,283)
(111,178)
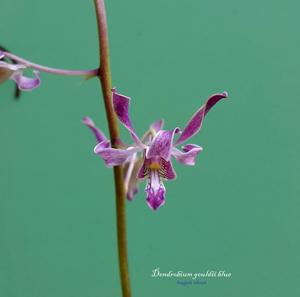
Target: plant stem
(27,63)
(105,79)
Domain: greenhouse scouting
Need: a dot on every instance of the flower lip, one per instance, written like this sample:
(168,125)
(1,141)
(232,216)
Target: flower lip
(163,167)
(155,201)
(155,191)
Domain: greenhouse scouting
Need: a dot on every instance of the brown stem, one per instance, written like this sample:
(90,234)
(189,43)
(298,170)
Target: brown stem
(105,79)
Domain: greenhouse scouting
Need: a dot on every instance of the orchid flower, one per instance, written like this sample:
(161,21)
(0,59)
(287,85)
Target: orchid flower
(150,157)
(15,72)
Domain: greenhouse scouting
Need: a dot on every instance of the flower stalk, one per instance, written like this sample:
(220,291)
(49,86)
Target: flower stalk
(104,75)
(26,63)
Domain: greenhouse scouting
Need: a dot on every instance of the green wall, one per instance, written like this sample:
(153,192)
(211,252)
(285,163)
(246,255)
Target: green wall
(237,210)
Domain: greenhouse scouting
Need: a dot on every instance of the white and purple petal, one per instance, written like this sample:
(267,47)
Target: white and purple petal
(162,144)
(25,83)
(189,154)
(121,106)
(7,70)
(157,126)
(130,176)
(155,191)
(114,157)
(195,123)
(100,137)
(153,129)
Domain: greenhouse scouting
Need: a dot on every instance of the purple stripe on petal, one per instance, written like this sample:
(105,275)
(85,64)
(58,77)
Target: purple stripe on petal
(155,191)
(121,107)
(26,83)
(114,157)
(143,171)
(162,144)
(166,169)
(189,154)
(158,125)
(1,54)
(194,124)
(97,132)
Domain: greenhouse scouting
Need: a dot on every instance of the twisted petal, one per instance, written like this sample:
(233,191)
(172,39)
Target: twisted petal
(100,137)
(189,154)
(162,144)
(26,83)
(155,191)
(194,125)
(121,107)
(114,157)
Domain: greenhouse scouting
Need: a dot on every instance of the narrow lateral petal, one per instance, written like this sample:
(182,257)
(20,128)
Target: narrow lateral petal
(189,154)
(130,178)
(162,144)
(113,157)
(26,83)
(121,106)
(195,123)
(97,132)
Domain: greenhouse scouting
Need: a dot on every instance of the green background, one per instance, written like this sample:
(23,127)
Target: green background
(237,210)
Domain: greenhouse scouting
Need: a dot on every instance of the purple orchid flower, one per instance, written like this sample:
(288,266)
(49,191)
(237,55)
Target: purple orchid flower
(149,157)
(15,72)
